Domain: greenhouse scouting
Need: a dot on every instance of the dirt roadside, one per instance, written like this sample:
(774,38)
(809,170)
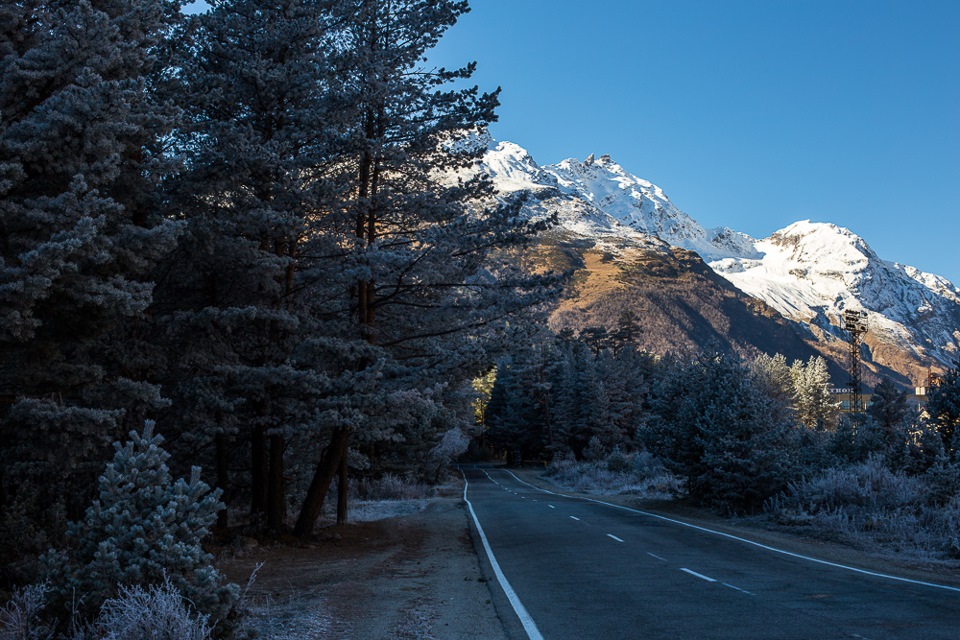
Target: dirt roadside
(415,576)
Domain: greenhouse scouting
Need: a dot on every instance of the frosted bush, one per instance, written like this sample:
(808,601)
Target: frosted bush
(594,451)
(636,474)
(20,617)
(869,505)
(869,487)
(617,462)
(157,612)
(390,487)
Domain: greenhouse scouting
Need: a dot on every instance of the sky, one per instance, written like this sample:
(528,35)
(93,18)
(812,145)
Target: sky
(750,114)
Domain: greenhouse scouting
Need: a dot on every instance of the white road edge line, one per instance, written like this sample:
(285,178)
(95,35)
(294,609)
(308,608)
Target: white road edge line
(528,624)
(698,575)
(729,536)
(610,535)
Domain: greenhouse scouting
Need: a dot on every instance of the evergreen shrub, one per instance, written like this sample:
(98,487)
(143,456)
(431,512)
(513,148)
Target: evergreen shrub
(143,529)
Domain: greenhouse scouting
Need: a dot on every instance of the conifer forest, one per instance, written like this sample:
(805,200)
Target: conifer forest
(248,262)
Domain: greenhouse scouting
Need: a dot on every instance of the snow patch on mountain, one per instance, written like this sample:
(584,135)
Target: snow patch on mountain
(513,169)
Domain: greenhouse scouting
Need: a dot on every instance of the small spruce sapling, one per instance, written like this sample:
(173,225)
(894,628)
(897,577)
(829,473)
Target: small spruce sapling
(143,529)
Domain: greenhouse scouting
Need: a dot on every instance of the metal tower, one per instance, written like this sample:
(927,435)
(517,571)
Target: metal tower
(855,322)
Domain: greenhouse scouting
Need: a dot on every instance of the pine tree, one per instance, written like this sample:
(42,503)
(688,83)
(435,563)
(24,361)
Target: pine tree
(144,528)
(419,246)
(247,297)
(627,374)
(718,428)
(336,288)
(83,121)
(519,413)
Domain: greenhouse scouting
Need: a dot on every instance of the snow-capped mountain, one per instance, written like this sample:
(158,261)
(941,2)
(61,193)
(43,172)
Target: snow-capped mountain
(808,272)
(621,203)
(812,272)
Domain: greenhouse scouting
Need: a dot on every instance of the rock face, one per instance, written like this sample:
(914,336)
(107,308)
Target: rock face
(630,247)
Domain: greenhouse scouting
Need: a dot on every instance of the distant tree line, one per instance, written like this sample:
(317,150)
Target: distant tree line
(261,227)
(736,432)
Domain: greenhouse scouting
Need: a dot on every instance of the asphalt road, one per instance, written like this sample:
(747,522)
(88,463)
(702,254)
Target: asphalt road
(574,569)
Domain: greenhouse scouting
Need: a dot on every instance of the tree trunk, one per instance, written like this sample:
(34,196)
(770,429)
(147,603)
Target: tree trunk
(259,472)
(327,468)
(223,479)
(276,494)
(342,486)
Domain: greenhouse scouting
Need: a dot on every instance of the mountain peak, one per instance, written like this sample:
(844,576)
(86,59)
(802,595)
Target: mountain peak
(637,204)
(810,272)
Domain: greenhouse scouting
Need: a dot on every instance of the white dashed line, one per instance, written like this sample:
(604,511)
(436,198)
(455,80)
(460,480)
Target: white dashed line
(698,575)
(551,506)
(653,555)
(575,518)
(610,535)
(738,589)
(729,536)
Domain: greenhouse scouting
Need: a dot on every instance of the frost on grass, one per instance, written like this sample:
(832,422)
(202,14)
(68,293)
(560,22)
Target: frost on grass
(291,619)
(155,612)
(637,474)
(387,497)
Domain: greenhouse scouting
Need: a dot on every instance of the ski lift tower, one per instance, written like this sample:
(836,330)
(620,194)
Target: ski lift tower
(855,322)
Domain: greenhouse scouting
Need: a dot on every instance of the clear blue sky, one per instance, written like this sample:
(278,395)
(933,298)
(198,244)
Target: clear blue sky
(750,114)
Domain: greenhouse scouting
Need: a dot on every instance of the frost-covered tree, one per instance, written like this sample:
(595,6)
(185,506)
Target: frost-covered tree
(247,294)
(144,528)
(428,291)
(774,373)
(83,124)
(338,283)
(815,407)
(715,426)
(943,409)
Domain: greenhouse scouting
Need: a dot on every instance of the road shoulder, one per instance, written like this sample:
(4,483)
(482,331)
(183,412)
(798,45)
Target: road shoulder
(414,576)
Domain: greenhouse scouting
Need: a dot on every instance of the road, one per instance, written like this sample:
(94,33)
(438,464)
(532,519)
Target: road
(570,568)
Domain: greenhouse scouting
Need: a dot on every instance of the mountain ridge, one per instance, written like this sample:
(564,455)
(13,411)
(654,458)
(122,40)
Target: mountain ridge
(808,272)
